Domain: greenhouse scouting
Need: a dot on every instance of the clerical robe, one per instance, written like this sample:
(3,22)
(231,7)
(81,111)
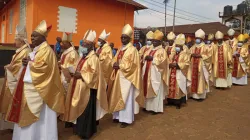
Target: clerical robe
(154,74)
(68,59)
(231,44)
(105,56)
(86,100)
(240,65)
(222,59)
(13,72)
(125,96)
(177,78)
(42,98)
(142,51)
(169,49)
(209,65)
(198,74)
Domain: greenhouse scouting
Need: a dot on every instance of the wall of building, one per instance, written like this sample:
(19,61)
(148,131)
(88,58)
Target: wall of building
(91,14)
(5,12)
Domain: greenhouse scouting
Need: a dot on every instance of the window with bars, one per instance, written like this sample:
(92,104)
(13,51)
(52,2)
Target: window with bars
(22,18)
(10,21)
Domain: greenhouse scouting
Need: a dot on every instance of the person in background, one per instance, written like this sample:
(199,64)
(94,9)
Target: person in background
(80,48)
(189,42)
(222,60)
(138,46)
(112,45)
(154,74)
(171,37)
(57,47)
(87,91)
(145,48)
(177,76)
(240,62)
(14,70)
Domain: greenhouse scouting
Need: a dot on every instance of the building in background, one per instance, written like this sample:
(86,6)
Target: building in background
(190,29)
(75,16)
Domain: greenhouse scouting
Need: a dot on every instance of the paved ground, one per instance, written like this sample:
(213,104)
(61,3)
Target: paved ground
(224,115)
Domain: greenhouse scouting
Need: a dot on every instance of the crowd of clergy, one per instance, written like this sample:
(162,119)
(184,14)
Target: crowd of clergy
(81,88)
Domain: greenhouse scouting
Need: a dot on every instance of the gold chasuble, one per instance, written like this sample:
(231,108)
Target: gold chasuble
(197,72)
(13,72)
(240,64)
(129,63)
(44,86)
(68,59)
(177,79)
(222,59)
(105,56)
(160,61)
(79,89)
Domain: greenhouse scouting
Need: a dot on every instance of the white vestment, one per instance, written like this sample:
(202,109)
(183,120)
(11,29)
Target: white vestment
(156,103)
(129,94)
(44,129)
(241,80)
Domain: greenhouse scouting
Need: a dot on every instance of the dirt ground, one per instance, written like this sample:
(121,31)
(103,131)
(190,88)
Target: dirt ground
(224,115)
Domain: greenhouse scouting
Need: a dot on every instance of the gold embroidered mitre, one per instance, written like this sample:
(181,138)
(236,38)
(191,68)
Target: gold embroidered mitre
(171,36)
(104,36)
(219,35)
(200,34)
(127,30)
(67,37)
(90,36)
(210,37)
(20,32)
(241,38)
(230,32)
(43,28)
(246,36)
(180,39)
(158,35)
(150,35)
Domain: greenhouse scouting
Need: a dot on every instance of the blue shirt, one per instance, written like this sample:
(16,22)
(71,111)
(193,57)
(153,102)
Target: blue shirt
(114,52)
(58,47)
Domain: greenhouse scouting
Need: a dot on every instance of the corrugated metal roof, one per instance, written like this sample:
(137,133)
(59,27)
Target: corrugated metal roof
(137,5)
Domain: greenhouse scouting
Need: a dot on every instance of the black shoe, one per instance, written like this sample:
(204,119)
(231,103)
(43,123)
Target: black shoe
(144,109)
(124,125)
(155,113)
(68,125)
(115,121)
(97,122)
(178,107)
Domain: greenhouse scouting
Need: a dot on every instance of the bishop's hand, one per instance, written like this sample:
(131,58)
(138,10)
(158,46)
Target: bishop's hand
(25,61)
(78,75)
(116,66)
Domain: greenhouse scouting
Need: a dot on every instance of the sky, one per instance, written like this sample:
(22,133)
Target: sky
(204,10)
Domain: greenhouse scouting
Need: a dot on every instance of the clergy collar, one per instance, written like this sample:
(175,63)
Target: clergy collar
(37,47)
(20,49)
(156,48)
(125,46)
(69,49)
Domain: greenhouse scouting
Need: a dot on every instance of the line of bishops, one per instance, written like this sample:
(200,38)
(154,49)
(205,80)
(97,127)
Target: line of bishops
(82,87)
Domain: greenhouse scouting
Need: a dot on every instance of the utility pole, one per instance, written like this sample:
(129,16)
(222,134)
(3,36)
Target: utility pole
(165,17)
(174,14)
